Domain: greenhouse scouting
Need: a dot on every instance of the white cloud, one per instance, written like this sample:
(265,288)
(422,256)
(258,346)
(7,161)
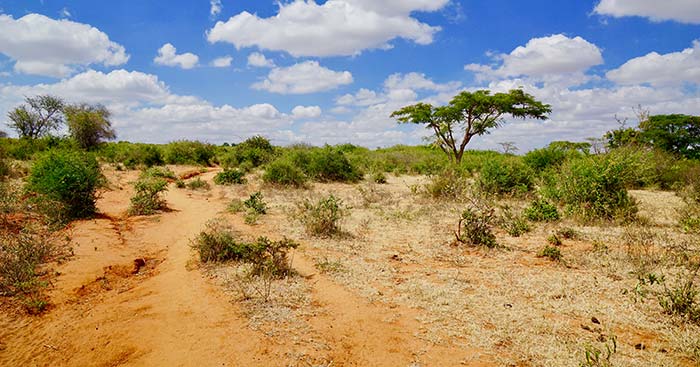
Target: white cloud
(335,28)
(674,68)
(167,55)
(303,78)
(544,58)
(417,81)
(43,46)
(222,62)
(215,8)
(306,112)
(259,60)
(65,13)
(684,11)
(398,88)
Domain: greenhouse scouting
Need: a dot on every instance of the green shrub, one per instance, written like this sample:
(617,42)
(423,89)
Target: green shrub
(256,204)
(198,184)
(285,173)
(513,224)
(505,176)
(452,184)
(593,188)
(253,152)
(147,199)
(682,300)
(541,210)
(219,243)
(554,240)
(132,155)
(4,165)
(229,176)
(189,152)
(323,217)
(329,165)
(568,233)
(475,227)
(159,172)
(70,178)
(379,177)
(551,252)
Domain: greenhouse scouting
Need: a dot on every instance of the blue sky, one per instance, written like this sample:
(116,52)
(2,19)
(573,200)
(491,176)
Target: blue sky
(332,72)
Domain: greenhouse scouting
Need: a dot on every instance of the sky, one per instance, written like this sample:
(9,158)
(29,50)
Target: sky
(317,72)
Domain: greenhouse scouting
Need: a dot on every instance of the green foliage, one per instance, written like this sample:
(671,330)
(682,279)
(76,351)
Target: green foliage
(475,226)
(322,218)
(5,169)
(70,178)
(505,176)
(451,184)
(284,172)
(197,184)
(132,155)
(554,155)
(147,198)
(594,357)
(541,210)
(38,117)
(219,243)
(256,204)
(326,165)
(513,224)
(158,172)
(678,134)
(568,233)
(470,114)
(593,188)
(682,300)
(400,159)
(551,252)
(229,176)
(89,125)
(379,177)
(253,152)
(189,152)
(20,256)
(554,240)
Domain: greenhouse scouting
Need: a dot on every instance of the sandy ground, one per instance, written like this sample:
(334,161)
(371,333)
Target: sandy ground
(393,292)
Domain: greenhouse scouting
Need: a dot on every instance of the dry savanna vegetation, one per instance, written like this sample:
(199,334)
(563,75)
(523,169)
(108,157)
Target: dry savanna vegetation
(576,254)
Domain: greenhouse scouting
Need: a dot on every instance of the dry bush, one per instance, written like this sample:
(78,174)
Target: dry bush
(147,199)
(475,226)
(322,218)
(450,184)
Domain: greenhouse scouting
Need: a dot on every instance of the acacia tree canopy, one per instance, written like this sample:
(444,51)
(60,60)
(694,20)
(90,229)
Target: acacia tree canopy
(678,134)
(470,114)
(37,117)
(89,125)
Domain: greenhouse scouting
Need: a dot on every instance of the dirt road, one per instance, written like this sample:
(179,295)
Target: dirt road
(107,313)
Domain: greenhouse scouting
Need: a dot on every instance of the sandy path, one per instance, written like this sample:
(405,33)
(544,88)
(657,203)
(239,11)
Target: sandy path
(172,316)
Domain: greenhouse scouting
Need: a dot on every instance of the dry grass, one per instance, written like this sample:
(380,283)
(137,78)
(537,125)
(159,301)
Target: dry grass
(527,310)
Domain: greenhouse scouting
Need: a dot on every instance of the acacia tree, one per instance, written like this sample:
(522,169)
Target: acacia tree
(470,114)
(679,134)
(89,125)
(37,117)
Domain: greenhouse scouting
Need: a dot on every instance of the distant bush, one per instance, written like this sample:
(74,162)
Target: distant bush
(4,165)
(284,172)
(379,177)
(197,184)
(452,183)
(189,152)
(554,155)
(159,172)
(229,176)
(683,300)
(400,159)
(328,165)
(505,176)
(593,188)
(253,152)
(541,210)
(132,155)
(147,199)
(256,203)
(70,178)
(322,218)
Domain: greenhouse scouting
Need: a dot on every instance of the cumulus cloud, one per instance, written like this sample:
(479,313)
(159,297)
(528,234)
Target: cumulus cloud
(303,78)
(544,58)
(215,7)
(397,88)
(167,55)
(222,62)
(674,68)
(306,112)
(334,28)
(684,11)
(40,45)
(259,60)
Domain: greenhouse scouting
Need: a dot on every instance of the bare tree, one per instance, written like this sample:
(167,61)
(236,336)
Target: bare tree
(39,116)
(508,147)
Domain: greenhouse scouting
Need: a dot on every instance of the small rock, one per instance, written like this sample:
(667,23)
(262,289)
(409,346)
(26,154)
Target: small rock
(138,264)
(595,320)
(640,346)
